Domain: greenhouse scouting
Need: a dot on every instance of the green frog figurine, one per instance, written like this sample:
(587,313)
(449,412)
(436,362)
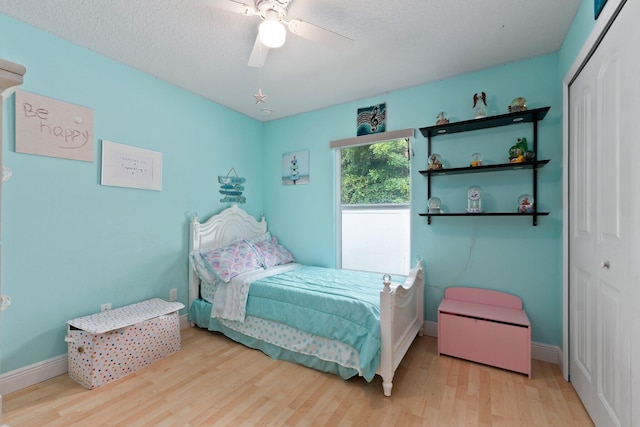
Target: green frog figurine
(517,152)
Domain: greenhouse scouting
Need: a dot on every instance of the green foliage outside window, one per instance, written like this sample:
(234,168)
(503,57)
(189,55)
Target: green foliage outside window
(376,173)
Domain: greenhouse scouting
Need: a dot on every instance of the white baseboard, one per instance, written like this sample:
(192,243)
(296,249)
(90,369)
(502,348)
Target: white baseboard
(544,352)
(184,321)
(33,374)
(430,329)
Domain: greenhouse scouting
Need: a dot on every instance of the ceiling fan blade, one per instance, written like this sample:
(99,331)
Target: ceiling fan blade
(235,6)
(319,34)
(258,54)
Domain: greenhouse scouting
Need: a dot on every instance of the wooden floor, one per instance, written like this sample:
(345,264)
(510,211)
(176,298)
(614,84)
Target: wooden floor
(215,382)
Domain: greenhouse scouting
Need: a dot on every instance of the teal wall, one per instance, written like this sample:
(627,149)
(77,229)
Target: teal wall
(70,244)
(502,253)
(581,27)
(508,254)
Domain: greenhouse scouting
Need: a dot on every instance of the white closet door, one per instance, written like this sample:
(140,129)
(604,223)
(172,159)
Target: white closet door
(604,200)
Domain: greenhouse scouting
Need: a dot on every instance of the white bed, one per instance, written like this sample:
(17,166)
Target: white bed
(400,304)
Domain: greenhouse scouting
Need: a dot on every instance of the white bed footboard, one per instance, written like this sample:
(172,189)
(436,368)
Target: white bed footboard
(401,319)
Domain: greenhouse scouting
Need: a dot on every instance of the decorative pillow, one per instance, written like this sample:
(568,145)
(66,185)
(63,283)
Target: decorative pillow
(199,265)
(260,238)
(229,261)
(272,253)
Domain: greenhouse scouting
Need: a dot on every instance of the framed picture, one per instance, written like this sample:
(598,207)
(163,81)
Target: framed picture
(372,119)
(597,7)
(295,168)
(127,166)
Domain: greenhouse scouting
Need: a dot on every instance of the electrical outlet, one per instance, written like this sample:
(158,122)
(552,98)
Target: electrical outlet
(173,294)
(105,307)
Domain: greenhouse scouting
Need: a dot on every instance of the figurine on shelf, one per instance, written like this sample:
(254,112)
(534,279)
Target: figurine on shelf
(518,156)
(476,160)
(517,152)
(474,202)
(480,104)
(517,105)
(441,118)
(434,205)
(435,162)
(528,156)
(525,204)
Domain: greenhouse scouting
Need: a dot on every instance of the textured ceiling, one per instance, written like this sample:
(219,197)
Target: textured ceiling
(397,44)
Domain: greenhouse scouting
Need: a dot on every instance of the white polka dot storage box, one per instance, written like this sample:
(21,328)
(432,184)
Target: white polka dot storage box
(109,345)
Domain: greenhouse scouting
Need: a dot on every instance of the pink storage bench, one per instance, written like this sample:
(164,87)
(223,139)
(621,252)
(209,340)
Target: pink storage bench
(485,326)
(106,346)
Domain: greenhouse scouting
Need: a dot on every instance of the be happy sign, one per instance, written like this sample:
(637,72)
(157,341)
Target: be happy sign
(54,128)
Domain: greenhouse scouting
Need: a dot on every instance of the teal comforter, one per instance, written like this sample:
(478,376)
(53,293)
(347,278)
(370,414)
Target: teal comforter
(342,305)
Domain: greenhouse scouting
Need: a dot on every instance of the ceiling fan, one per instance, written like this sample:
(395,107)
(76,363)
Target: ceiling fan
(272,32)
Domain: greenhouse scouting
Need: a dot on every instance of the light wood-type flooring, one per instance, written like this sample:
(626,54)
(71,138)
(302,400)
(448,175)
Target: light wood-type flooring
(213,381)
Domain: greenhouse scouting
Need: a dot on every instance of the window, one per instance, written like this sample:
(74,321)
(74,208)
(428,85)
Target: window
(374,220)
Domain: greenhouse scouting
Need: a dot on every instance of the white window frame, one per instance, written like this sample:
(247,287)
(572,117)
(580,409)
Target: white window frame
(367,140)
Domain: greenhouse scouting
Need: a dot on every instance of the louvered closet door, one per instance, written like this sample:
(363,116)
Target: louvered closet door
(604,200)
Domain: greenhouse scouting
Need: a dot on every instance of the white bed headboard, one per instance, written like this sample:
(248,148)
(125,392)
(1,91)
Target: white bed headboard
(219,230)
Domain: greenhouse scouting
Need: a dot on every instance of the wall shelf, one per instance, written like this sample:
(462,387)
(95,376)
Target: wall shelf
(528,116)
(486,168)
(483,214)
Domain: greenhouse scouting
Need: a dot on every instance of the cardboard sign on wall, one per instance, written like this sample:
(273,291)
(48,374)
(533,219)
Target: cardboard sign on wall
(54,128)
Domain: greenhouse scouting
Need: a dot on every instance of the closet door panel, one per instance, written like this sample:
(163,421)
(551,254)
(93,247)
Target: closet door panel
(603,204)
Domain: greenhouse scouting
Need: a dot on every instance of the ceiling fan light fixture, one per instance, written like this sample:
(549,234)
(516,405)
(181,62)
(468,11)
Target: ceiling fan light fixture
(272,33)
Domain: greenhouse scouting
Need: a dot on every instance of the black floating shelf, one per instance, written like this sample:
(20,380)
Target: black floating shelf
(486,122)
(487,168)
(534,215)
(484,214)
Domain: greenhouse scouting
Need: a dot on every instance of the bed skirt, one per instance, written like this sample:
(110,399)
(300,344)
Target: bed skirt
(200,314)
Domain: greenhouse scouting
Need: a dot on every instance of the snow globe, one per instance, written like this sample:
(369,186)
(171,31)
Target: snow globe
(525,204)
(435,162)
(434,205)
(476,160)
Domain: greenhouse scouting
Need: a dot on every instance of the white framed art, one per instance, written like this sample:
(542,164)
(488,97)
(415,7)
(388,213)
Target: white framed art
(295,168)
(128,166)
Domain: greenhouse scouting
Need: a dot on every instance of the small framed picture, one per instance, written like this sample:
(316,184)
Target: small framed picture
(372,119)
(295,168)
(127,166)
